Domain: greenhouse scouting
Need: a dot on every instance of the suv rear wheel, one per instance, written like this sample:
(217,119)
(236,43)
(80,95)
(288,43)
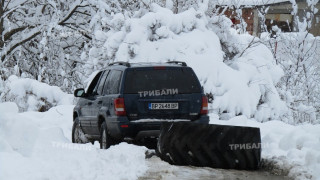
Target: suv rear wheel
(105,139)
(77,133)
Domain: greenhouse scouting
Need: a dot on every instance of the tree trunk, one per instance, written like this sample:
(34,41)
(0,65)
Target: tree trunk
(1,25)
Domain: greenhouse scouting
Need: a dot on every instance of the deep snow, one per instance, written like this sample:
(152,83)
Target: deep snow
(35,145)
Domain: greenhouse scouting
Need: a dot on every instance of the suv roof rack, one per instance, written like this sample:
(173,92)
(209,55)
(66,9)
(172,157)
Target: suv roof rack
(177,62)
(120,63)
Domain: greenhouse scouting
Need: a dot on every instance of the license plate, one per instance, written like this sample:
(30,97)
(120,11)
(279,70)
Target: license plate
(163,106)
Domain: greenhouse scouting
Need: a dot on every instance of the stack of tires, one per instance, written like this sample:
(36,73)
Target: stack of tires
(217,146)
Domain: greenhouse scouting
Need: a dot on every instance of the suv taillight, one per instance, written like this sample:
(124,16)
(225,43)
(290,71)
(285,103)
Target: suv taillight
(119,107)
(159,67)
(204,106)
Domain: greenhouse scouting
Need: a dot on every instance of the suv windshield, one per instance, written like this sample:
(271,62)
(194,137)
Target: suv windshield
(182,79)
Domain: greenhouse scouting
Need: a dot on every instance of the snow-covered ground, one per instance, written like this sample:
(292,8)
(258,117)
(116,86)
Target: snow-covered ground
(35,145)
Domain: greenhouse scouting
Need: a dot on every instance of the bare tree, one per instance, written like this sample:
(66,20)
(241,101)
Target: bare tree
(297,53)
(38,35)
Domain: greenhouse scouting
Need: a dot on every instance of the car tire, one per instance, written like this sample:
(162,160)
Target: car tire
(209,145)
(78,135)
(105,139)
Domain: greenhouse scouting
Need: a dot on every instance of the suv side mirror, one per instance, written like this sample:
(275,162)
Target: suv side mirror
(79,92)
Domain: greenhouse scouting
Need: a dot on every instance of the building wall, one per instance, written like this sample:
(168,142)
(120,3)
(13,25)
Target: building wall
(278,14)
(316,26)
(286,8)
(247,15)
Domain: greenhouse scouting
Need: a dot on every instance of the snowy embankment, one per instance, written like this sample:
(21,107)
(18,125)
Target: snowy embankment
(35,145)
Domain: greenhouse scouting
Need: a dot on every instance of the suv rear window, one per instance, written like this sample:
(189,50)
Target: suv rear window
(183,79)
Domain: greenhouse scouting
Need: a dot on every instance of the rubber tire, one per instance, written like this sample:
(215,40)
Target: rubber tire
(150,143)
(76,127)
(108,139)
(186,143)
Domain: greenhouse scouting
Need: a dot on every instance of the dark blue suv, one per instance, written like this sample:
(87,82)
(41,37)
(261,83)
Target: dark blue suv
(128,102)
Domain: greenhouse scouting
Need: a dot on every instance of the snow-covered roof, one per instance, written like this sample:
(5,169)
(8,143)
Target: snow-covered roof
(249,2)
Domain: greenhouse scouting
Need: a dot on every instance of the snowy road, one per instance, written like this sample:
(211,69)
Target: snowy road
(161,170)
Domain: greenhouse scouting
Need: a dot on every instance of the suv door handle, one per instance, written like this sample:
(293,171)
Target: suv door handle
(99,102)
(89,103)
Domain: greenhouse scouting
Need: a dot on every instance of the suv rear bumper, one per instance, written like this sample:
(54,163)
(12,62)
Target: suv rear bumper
(121,127)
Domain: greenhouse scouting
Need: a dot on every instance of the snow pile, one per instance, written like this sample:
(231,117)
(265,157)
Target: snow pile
(291,149)
(32,95)
(36,145)
(244,85)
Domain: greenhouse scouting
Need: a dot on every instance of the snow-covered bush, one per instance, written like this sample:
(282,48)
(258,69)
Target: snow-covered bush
(238,70)
(298,55)
(33,95)
(242,84)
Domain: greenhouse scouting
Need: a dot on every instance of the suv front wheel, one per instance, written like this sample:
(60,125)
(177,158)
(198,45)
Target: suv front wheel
(105,139)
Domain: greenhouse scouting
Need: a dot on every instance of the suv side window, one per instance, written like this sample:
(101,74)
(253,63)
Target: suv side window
(93,84)
(112,83)
(102,82)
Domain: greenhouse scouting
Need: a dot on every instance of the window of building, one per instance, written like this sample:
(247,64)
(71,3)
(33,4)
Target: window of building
(283,21)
